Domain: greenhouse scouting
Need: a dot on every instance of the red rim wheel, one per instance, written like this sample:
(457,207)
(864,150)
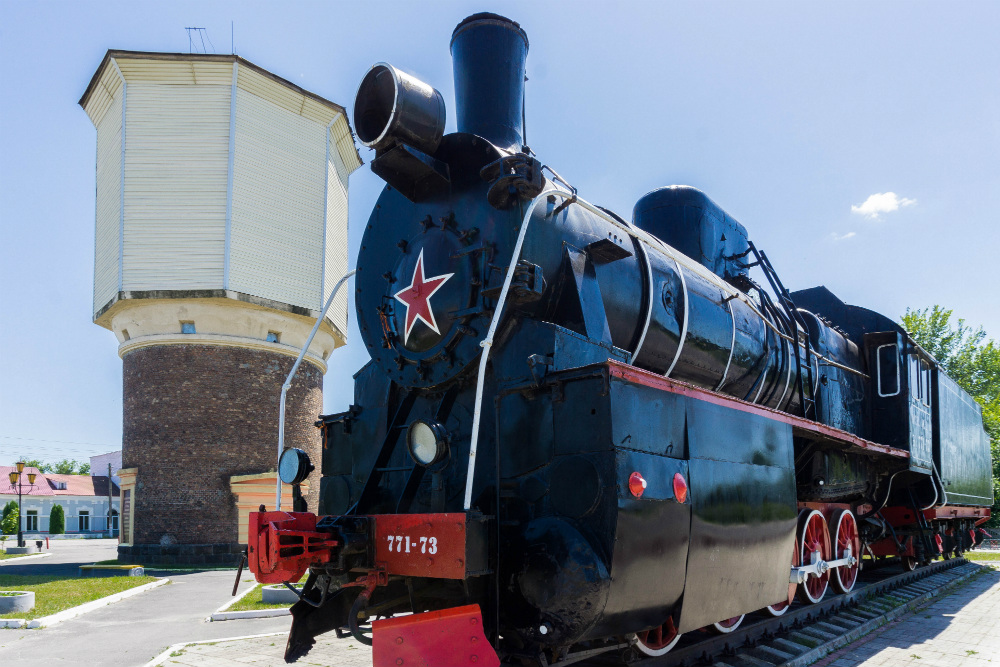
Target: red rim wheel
(728,625)
(845,537)
(814,545)
(781,607)
(659,640)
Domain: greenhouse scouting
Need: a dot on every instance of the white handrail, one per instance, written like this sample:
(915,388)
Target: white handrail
(288,384)
(488,341)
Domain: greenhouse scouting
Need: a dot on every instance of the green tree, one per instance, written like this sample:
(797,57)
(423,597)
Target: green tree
(57,521)
(973,362)
(35,463)
(84,469)
(65,467)
(8,520)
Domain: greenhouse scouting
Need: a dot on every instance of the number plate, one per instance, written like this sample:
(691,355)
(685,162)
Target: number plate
(421,545)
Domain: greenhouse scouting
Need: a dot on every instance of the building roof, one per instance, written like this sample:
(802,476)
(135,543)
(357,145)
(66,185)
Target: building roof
(40,488)
(46,484)
(116,54)
(81,485)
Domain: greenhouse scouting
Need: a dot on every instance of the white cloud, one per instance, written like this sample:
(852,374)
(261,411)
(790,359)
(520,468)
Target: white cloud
(834,236)
(883,202)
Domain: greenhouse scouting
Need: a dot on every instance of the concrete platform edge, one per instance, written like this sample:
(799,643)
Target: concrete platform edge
(158,660)
(866,628)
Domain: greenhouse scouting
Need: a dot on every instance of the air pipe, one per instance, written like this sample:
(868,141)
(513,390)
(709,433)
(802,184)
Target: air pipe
(288,383)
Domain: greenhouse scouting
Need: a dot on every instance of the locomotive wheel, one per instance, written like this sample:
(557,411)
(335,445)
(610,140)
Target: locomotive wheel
(909,563)
(814,544)
(781,607)
(728,625)
(845,534)
(659,640)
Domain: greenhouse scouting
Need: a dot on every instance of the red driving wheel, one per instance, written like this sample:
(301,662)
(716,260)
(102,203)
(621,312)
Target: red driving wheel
(659,640)
(728,625)
(846,539)
(814,545)
(781,607)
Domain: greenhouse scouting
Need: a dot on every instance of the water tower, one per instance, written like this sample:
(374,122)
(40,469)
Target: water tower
(221,229)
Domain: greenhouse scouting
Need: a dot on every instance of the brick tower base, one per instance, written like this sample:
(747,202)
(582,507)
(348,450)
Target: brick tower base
(195,415)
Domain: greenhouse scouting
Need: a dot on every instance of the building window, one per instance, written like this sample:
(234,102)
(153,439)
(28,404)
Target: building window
(187,327)
(114,520)
(273,336)
(84,521)
(31,520)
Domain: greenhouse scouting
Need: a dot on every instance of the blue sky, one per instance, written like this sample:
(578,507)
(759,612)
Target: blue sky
(790,115)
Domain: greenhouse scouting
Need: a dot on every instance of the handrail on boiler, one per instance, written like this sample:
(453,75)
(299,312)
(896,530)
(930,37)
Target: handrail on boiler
(288,384)
(643,237)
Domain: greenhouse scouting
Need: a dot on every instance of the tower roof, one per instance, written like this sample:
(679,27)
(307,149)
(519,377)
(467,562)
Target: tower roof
(118,54)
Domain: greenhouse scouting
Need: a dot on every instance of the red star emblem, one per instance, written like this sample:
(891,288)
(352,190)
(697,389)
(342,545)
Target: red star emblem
(417,298)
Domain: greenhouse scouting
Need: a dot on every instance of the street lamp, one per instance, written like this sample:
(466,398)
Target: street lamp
(16,481)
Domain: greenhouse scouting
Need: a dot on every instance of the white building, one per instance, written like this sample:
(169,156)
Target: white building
(99,465)
(84,499)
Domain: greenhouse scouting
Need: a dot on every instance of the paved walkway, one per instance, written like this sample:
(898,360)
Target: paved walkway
(131,632)
(66,557)
(961,629)
(268,651)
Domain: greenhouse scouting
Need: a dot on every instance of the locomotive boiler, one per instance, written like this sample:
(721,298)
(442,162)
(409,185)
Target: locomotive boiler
(579,433)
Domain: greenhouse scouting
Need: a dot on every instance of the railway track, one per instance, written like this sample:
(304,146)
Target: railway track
(806,633)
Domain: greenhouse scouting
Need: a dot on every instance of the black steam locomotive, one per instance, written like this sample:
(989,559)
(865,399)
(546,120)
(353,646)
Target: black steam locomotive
(578,433)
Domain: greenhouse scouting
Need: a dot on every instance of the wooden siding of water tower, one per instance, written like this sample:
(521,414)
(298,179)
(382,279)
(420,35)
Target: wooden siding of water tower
(108,206)
(276,235)
(336,235)
(176,170)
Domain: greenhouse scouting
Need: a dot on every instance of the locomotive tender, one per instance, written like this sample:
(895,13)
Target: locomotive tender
(578,433)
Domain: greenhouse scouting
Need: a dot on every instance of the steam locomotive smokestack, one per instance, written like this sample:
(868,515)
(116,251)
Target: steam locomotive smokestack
(489,53)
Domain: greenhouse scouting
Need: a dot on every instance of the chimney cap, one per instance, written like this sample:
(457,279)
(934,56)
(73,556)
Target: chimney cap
(489,18)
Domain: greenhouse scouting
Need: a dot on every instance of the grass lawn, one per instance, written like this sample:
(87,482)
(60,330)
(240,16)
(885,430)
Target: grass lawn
(982,555)
(4,556)
(252,600)
(57,593)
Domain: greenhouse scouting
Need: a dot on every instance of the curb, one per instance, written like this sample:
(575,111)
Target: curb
(221,614)
(73,612)
(158,660)
(233,601)
(12,561)
(867,628)
(253,613)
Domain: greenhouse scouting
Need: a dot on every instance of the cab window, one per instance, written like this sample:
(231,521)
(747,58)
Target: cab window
(888,370)
(914,376)
(925,382)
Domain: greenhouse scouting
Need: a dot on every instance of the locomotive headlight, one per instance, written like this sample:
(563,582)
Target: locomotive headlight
(294,466)
(427,441)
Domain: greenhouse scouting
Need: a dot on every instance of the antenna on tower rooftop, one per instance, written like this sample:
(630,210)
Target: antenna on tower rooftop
(201,34)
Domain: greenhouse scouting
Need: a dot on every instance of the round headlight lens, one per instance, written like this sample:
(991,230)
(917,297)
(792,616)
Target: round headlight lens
(426,442)
(294,466)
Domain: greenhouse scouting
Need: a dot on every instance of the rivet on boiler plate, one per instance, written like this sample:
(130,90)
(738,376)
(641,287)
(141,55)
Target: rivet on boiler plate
(399,640)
